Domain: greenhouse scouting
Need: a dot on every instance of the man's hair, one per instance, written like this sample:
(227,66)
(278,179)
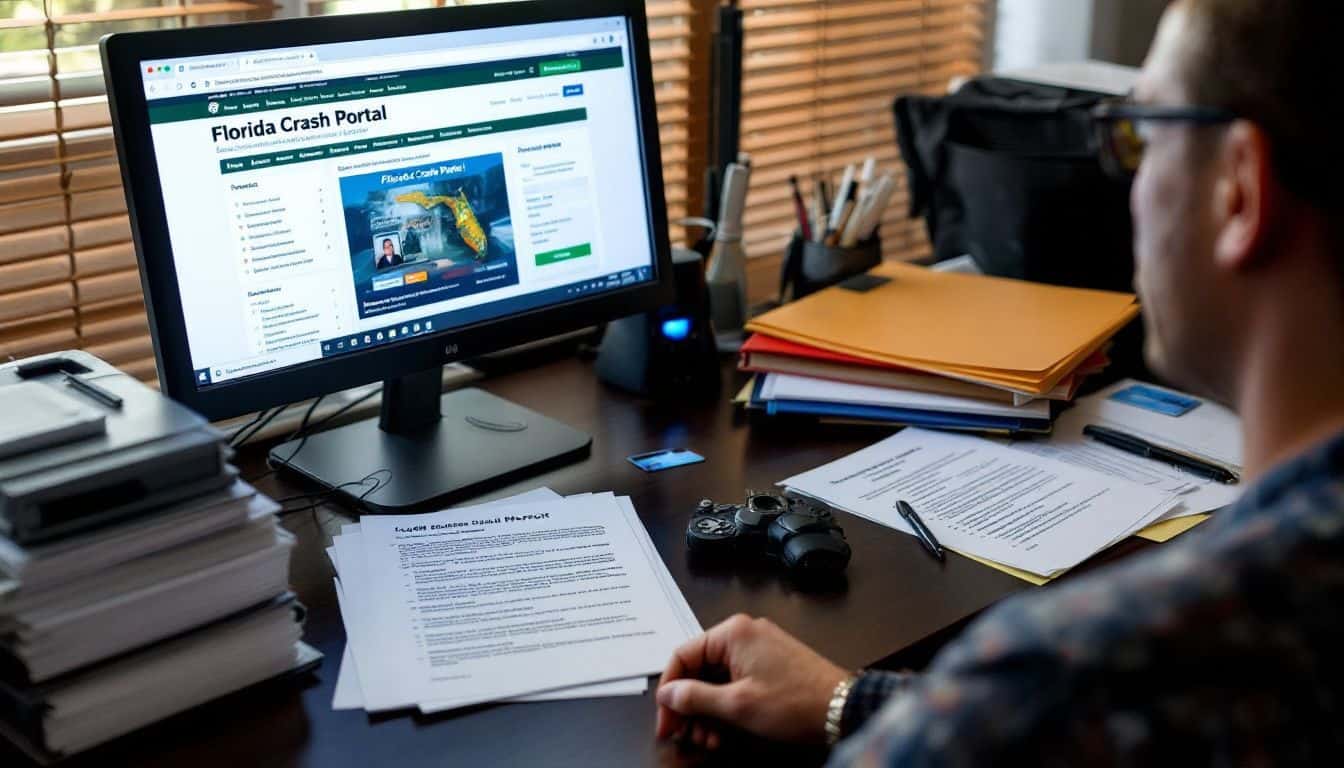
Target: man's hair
(1277,64)
(387,241)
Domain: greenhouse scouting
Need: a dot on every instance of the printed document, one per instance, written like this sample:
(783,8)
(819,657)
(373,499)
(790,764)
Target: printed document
(471,606)
(1210,431)
(984,499)
(349,692)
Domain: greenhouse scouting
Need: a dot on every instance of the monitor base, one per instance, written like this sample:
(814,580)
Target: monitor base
(481,442)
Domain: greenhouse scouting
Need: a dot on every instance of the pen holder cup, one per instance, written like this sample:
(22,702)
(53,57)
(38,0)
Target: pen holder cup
(817,266)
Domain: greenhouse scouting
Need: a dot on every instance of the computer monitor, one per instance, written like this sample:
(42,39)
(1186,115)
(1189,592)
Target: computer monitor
(322,203)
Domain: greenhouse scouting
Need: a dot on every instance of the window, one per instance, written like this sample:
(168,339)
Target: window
(820,76)
(68,275)
(818,83)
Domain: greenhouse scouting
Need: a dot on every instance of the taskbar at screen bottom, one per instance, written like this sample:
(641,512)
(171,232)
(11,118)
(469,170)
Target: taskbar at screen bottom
(395,332)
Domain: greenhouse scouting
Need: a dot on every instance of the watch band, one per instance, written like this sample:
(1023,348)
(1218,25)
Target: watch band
(835,711)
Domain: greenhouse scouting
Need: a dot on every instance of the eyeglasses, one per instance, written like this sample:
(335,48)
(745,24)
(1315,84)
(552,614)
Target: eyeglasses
(1122,139)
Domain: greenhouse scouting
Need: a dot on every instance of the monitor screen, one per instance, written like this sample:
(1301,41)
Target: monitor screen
(322,200)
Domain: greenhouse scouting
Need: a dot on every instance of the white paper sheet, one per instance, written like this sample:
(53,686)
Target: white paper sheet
(1210,430)
(986,499)
(781,386)
(581,543)
(348,693)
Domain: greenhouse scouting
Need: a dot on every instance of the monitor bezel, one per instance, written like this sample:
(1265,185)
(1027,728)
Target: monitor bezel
(122,55)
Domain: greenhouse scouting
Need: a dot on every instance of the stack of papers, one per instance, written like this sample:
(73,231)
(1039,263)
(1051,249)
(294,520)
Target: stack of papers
(1002,333)
(780,393)
(531,598)
(107,631)
(924,348)
(138,575)
(766,354)
(1209,431)
(1035,508)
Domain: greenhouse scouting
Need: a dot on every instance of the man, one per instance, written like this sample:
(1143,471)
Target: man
(1225,646)
(389,258)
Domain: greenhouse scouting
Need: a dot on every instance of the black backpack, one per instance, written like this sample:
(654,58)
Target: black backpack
(1008,172)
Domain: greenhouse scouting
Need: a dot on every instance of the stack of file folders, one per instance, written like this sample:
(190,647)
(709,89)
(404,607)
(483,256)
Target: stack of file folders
(908,346)
(139,576)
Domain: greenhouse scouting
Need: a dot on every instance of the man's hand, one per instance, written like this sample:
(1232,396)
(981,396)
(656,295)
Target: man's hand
(776,686)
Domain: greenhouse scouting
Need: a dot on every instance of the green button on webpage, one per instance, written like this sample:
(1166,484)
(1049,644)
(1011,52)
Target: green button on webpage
(564,254)
(560,67)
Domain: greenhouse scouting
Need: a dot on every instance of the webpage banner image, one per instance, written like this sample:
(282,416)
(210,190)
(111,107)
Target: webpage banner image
(429,233)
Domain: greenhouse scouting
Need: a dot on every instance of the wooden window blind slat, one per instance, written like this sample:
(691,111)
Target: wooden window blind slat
(23,217)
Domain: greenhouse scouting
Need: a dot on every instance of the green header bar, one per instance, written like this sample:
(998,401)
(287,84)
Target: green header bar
(291,156)
(376,86)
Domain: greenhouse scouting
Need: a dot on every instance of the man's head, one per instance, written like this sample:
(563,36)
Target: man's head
(1224,214)
(388,250)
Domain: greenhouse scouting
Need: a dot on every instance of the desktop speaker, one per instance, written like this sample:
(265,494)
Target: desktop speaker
(669,353)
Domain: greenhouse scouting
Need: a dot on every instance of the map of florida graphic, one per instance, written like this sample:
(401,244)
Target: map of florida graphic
(468,226)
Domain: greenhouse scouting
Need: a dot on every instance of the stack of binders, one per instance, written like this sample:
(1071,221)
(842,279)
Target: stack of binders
(139,576)
(908,346)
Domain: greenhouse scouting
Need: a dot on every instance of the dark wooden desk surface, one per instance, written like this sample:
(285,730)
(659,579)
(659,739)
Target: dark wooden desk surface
(896,597)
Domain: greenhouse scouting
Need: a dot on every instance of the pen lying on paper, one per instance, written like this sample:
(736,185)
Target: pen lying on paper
(922,531)
(1140,447)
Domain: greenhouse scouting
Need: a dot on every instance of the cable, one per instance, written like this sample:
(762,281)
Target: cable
(343,409)
(305,430)
(303,425)
(314,499)
(252,432)
(260,415)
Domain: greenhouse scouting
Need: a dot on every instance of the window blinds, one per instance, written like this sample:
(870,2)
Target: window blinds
(818,84)
(68,275)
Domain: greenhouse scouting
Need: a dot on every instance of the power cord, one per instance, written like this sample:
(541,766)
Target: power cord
(233,437)
(240,439)
(315,499)
(305,430)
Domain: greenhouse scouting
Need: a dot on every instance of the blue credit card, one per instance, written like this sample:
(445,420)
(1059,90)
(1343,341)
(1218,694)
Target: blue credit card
(1156,400)
(657,461)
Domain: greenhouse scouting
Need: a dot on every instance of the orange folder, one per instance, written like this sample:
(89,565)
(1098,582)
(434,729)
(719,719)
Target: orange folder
(1008,333)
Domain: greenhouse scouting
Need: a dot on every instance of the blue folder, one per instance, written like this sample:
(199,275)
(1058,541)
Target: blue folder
(897,416)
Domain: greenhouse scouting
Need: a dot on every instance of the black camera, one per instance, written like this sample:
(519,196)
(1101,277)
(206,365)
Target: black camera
(802,536)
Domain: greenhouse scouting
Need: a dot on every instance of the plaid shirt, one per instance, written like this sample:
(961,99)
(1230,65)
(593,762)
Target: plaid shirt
(1225,647)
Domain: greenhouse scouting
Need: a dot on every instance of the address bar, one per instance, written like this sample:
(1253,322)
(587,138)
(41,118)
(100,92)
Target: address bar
(411,61)
(267,79)
(452,56)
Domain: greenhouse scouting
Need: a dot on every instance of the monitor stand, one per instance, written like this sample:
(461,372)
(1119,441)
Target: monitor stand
(428,449)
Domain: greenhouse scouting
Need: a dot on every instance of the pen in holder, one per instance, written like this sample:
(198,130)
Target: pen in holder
(810,266)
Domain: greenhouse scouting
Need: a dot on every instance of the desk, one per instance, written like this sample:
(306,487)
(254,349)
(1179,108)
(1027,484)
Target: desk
(896,596)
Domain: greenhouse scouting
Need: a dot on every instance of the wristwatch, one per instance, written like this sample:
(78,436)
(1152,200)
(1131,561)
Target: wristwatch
(836,710)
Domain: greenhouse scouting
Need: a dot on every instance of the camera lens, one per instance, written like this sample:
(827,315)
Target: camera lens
(765,503)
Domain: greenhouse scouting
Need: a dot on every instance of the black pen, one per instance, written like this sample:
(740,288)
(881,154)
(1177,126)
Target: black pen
(922,531)
(92,390)
(1140,447)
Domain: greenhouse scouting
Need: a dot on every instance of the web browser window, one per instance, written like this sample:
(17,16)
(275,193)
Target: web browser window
(326,199)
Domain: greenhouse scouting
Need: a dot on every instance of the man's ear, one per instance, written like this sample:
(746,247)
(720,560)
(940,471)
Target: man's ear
(1245,196)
